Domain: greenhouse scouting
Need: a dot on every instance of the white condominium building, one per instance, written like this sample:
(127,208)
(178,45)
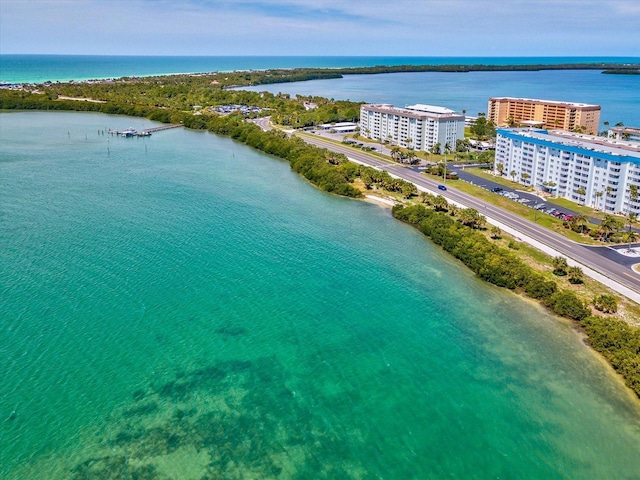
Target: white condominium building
(586,169)
(417,126)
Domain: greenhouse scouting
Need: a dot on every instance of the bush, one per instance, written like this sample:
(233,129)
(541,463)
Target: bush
(567,304)
(606,303)
(539,288)
(620,345)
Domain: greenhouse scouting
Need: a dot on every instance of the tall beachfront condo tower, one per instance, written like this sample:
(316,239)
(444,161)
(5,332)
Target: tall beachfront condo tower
(594,171)
(420,127)
(549,114)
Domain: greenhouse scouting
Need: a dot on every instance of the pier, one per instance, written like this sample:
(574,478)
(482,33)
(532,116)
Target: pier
(132,132)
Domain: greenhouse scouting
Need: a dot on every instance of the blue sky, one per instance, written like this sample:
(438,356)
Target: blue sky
(322,27)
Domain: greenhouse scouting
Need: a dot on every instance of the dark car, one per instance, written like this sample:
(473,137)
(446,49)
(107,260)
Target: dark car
(442,187)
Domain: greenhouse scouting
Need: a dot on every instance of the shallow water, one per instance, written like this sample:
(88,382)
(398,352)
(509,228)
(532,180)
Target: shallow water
(182,306)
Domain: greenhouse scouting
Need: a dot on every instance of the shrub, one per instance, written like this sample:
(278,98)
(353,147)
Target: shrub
(567,304)
(560,266)
(606,303)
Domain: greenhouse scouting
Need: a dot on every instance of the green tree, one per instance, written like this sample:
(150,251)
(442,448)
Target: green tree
(471,218)
(559,266)
(567,304)
(462,145)
(631,219)
(581,219)
(633,193)
(396,153)
(598,196)
(606,303)
(440,203)
(482,128)
(576,275)
(630,238)
(609,225)
(495,232)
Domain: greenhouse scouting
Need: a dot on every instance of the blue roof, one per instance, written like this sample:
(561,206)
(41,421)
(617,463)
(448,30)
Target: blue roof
(514,134)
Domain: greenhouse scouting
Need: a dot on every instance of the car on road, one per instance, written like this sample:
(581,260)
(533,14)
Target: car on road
(441,187)
(496,189)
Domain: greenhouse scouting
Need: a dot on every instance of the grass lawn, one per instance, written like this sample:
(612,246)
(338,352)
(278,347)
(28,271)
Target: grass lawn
(535,216)
(560,202)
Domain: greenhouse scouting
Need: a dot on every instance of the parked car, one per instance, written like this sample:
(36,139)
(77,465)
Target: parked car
(441,187)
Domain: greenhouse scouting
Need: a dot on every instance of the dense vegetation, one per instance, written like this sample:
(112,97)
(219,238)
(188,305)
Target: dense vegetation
(617,341)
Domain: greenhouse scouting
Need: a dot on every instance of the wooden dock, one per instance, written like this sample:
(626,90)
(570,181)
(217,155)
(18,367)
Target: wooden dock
(162,127)
(131,132)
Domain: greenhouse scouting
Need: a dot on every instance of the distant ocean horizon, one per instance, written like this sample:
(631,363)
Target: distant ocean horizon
(20,68)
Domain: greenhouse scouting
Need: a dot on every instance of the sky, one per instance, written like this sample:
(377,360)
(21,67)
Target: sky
(322,27)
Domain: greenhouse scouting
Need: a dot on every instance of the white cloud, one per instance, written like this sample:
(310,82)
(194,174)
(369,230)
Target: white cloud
(280,27)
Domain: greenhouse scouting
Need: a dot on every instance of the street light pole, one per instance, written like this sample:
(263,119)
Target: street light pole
(444,170)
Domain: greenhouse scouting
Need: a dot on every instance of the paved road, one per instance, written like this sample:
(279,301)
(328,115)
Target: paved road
(581,254)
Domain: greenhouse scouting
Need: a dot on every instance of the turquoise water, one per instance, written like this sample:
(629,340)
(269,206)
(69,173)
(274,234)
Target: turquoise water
(617,95)
(184,307)
(41,68)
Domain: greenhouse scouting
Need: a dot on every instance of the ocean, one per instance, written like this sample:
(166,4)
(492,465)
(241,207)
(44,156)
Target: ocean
(63,68)
(181,306)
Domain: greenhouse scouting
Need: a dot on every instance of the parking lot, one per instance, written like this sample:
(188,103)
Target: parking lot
(526,198)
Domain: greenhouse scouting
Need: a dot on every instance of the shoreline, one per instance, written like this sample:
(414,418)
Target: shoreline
(327,72)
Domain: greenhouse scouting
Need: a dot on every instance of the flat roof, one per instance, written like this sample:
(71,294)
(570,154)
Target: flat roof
(420,107)
(578,140)
(551,102)
(339,124)
(426,111)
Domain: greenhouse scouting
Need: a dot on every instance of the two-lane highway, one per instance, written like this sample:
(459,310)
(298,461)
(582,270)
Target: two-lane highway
(610,269)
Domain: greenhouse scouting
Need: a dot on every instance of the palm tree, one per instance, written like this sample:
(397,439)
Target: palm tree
(395,153)
(598,195)
(608,189)
(632,218)
(633,193)
(440,203)
(581,219)
(630,237)
(500,168)
(495,232)
(408,141)
(576,275)
(609,225)
(513,175)
(468,217)
(428,198)
(559,266)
